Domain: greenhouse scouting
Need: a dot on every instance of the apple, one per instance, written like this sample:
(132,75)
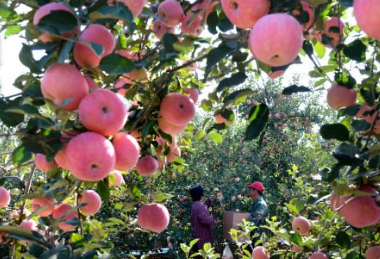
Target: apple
(90,156)
(65,85)
(159,29)
(46,10)
(177,109)
(301,225)
(361,212)
(276,74)
(137,75)
(42,164)
(192,26)
(193,93)
(296,249)
(373,252)
(365,13)
(171,13)
(318,255)
(92,202)
(29,224)
(306,8)
(245,13)
(47,202)
(153,217)
(339,96)
(61,211)
(84,55)
(135,6)
(276,39)
(2,239)
(259,253)
(60,157)
(369,115)
(5,197)
(328,31)
(220,119)
(117,179)
(206,7)
(103,112)
(127,151)
(147,166)
(169,128)
(174,153)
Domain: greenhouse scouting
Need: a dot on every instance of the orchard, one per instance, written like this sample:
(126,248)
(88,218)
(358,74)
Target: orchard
(127,104)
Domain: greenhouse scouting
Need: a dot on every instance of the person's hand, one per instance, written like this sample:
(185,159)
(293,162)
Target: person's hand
(208,202)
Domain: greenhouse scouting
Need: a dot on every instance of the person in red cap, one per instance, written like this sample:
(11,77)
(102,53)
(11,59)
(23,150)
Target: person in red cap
(259,209)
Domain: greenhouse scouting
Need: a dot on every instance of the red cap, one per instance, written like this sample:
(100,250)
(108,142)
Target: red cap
(256,185)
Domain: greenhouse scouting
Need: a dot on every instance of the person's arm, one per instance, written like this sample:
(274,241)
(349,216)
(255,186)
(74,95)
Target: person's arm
(205,217)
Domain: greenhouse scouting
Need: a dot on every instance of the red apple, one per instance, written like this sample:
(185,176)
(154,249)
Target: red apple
(177,109)
(84,55)
(64,85)
(62,210)
(373,253)
(259,253)
(154,217)
(127,151)
(169,128)
(365,13)
(147,166)
(339,96)
(42,164)
(5,197)
(318,255)
(171,13)
(29,224)
(332,35)
(92,202)
(192,26)
(47,202)
(159,29)
(306,8)
(301,225)
(135,6)
(90,156)
(117,179)
(103,112)
(276,39)
(245,13)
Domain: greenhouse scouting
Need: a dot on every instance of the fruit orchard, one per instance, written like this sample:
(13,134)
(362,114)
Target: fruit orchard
(110,128)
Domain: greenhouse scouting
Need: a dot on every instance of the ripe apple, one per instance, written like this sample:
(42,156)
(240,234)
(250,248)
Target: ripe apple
(373,252)
(194,28)
(60,157)
(177,109)
(174,153)
(42,164)
(193,93)
(301,225)
(169,128)
(365,13)
(259,253)
(5,197)
(245,13)
(136,75)
(135,6)
(147,166)
(29,224)
(117,179)
(47,202)
(306,8)
(206,7)
(318,255)
(361,212)
(369,115)
(276,39)
(92,200)
(127,151)
(335,23)
(154,217)
(103,112)
(90,156)
(84,55)
(65,85)
(276,74)
(171,13)
(62,210)
(296,249)
(46,10)
(220,119)
(159,29)
(339,96)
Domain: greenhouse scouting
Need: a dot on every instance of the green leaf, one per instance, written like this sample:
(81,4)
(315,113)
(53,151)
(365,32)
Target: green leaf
(216,137)
(343,239)
(160,196)
(355,50)
(238,97)
(216,55)
(36,250)
(60,252)
(193,242)
(169,40)
(257,119)
(117,12)
(21,155)
(335,131)
(200,134)
(345,79)
(184,46)
(58,22)
(235,79)
(103,190)
(185,248)
(12,30)
(360,125)
(147,128)
(116,64)
(27,59)
(296,238)
(212,22)
(346,3)
(65,51)
(295,89)
(206,105)
(77,238)
(11,120)
(135,190)
(346,153)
